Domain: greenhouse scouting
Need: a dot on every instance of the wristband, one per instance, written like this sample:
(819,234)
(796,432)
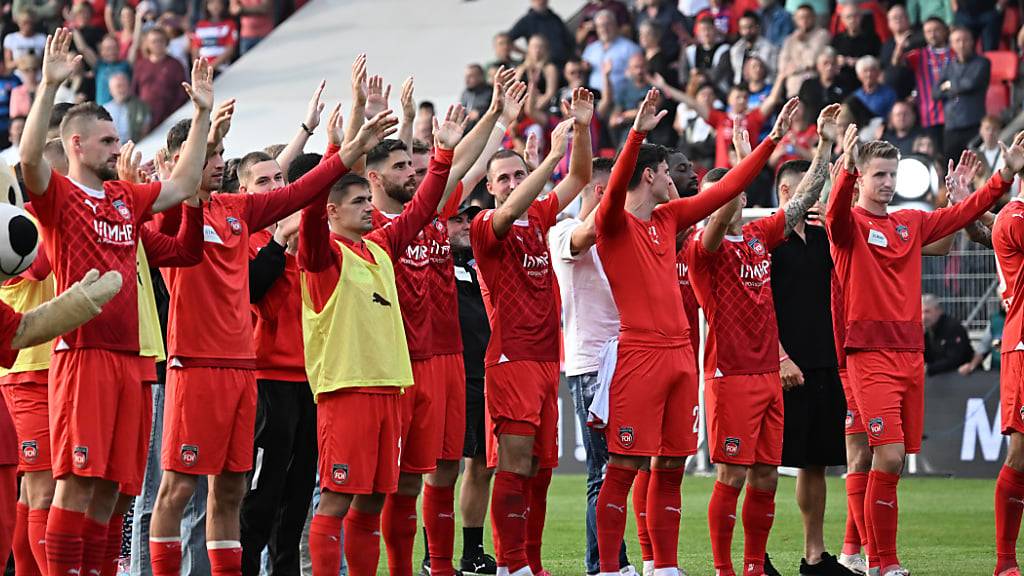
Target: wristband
(306,129)
(783,358)
(501,125)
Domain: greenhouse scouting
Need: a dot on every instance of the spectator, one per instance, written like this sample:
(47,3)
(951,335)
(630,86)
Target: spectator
(752,43)
(130,20)
(29,67)
(855,42)
(723,17)
(691,9)
(823,89)
(990,342)
(946,344)
(502,45)
(476,96)
(988,149)
(982,17)
(423,126)
(80,23)
(797,144)
(256,19)
(778,24)
(668,21)
(585,32)
(11,154)
(540,19)
(539,71)
(104,65)
(215,36)
(710,55)
(621,110)
(658,62)
(26,40)
(696,136)
(920,11)
(876,97)
(611,47)
(962,86)
(46,13)
(131,115)
(8,82)
(902,130)
(755,78)
(799,50)
(157,78)
(897,75)
(178,43)
(926,64)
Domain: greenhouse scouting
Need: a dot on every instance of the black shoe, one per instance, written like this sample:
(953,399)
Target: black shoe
(479,565)
(827,566)
(425,568)
(769,570)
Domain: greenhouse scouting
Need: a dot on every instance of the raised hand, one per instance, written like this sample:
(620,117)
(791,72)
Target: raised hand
(960,179)
(377,96)
(647,117)
(560,138)
(531,151)
(448,133)
(740,139)
(375,130)
(515,98)
(503,80)
(785,119)
(850,142)
(407,100)
(1013,157)
(221,123)
(359,80)
(201,89)
(828,122)
(128,163)
(164,164)
(335,127)
(581,109)
(835,167)
(315,108)
(58,61)
(287,228)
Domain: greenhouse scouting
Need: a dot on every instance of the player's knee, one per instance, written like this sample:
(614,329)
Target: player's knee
(333,504)
(888,458)
(858,454)
(732,475)
(1015,452)
(227,491)
(763,477)
(175,492)
(410,484)
(38,489)
(667,462)
(368,503)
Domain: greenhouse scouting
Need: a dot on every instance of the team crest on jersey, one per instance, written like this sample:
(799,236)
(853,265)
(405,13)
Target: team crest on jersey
(731,446)
(339,473)
(29,451)
(80,456)
(235,224)
(1022,413)
(626,436)
(876,426)
(122,209)
(849,418)
(903,232)
(189,455)
(756,246)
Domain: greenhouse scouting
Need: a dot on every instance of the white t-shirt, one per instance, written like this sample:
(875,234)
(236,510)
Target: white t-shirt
(589,312)
(20,45)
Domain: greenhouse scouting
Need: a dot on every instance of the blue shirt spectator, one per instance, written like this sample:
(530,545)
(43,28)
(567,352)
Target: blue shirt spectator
(611,47)
(776,22)
(876,97)
(8,82)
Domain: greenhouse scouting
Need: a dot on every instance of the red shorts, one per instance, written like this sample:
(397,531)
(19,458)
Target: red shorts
(434,413)
(370,464)
(653,405)
(854,421)
(100,416)
(522,400)
(209,420)
(889,389)
(148,369)
(1011,392)
(745,419)
(28,406)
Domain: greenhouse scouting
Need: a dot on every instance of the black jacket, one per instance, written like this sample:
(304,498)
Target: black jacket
(946,346)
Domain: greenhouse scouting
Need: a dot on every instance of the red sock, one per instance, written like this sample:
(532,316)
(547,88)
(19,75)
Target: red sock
(362,543)
(8,504)
(881,497)
(24,561)
(499,553)
(325,545)
(94,546)
(856,535)
(165,556)
(869,529)
(1009,506)
(611,514)
(758,516)
(37,536)
(664,514)
(225,557)
(508,505)
(439,520)
(538,507)
(64,542)
(398,525)
(721,522)
(113,553)
(640,484)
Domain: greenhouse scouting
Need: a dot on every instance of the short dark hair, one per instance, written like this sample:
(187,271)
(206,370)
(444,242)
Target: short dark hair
(230,182)
(751,15)
(791,167)
(714,175)
(805,7)
(959,28)
(85,110)
(420,147)
(602,165)
(650,156)
(340,188)
(248,161)
(302,164)
(57,116)
(501,155)
(382,151)
(427,104)
(177,135)
(937,20)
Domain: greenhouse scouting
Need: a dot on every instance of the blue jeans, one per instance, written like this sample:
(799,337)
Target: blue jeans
(194,562)
(583,387)
(246,44)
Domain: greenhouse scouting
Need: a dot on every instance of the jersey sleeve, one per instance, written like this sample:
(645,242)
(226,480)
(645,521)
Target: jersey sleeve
(546,210)
(9,322)
(839,213)
(451,208)
(1012,230)
(945,221)
(185,249)
(262,210)
(611,212)
(421,209)
(143,195)
(771,229)
(48,206)
(482,236)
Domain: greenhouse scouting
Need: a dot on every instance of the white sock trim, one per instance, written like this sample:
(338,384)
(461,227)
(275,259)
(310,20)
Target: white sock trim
(222,544)
(165,539)
(524,571)
(666,572)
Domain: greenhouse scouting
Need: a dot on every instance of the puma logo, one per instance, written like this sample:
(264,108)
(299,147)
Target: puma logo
(890,504)
(1016,501)
(621,509)
(74,571)
(520,516)
(92,205)
(732,517)
(447,515)
(643,514)
(378,299)
(676,510)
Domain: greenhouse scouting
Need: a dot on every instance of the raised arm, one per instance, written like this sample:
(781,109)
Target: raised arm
(839,212)
(358,112)
(84,49)
(679,95)
(512,104)
(958,186)
(718,224)
(581,110)
(808,191)
(408,112)
(524,194)
(181,251)
(314,111)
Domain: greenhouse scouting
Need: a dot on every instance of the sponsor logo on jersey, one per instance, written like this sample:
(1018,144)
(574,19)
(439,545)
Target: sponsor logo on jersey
(339,474)
(876,426)
(189,455)
(849,418)
(235,224)
(29,451)
(626,436)
(731,446)
(119,234)
(756,246)
(122,209)
(80,456)
(903,232)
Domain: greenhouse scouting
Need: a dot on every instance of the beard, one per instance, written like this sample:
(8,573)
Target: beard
(105,172)
(401,192)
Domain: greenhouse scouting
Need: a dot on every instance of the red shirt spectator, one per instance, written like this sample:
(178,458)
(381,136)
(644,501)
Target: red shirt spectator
(157,78)
(257,19)
(215,37)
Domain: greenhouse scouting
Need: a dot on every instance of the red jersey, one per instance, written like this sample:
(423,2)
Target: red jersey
(278,325)
(639,257)
(839,319)
(878,260)
(519,285)
(444,295)
(218,331)
(213,39)
(734,287)
(1008,243)
(691,308)
(84,229)
(753,121)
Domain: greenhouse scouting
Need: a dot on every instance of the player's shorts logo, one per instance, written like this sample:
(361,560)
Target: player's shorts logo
(849,418)
(119,205)
(756,246)
(1022,413)
(80,456)
(876,426)
(29,451)
(731,446)
(903,232)
(235,224)
(626,436)
(339,473)
(189,455)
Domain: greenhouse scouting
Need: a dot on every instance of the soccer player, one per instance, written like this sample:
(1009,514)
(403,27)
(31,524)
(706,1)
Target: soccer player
(90,220)
(878,260)
(348,284)
(655,378)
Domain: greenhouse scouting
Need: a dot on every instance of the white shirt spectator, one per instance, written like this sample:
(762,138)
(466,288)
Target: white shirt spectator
(122,122)
(20,45)
(690,8)
(590,316)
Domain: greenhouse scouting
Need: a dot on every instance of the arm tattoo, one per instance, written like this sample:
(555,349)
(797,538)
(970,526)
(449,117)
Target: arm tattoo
(807,192)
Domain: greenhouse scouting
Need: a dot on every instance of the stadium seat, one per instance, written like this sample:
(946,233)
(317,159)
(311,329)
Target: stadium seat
(1005,64)
(1011,23)
(997,99)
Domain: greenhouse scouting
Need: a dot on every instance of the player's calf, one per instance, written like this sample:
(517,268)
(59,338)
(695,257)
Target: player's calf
(1009,505)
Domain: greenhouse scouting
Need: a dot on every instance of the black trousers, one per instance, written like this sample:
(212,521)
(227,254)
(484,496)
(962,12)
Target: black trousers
(281,482)
(956,140)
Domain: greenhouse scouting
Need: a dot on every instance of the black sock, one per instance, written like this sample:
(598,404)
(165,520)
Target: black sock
(426,546)
(472,542)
